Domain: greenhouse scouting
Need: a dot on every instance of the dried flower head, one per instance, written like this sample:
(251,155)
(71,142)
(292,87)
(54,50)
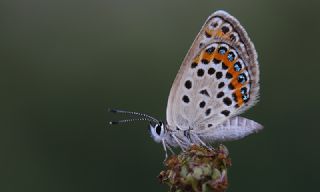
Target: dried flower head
(197,169)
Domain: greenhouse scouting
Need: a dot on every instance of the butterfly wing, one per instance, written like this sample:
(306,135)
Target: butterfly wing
(218,79)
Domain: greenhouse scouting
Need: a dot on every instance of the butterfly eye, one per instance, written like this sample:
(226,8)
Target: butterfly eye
(158,129)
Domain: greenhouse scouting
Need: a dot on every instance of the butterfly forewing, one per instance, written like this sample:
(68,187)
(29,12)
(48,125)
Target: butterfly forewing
(218,78)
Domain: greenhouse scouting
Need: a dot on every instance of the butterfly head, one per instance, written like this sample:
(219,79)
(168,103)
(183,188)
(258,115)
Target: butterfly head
(157,131)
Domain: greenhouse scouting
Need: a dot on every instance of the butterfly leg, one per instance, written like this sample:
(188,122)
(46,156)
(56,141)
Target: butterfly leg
(200,140)
(178,142)
(170,149)
(165,148)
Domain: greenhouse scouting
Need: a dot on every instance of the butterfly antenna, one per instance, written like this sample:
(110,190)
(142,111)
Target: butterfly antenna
(134,113)
(128,121)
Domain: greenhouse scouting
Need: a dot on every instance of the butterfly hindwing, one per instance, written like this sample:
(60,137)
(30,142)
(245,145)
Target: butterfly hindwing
(218,79)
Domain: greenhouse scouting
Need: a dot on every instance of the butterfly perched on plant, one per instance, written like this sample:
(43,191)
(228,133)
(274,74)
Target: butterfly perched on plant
(217,81)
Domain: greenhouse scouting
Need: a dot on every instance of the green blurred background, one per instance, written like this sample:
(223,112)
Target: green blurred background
(63,62)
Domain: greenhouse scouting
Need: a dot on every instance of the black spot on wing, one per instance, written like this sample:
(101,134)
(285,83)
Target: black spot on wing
(204,61)
(194,65)
(225,112)
(202,104)
(224,66)
(221,84)
(227,101)
(228,75)
(204,92)
(185,99)
(216,61)
(200,72)
(188,84)
(225,29)
(220,94)
(210,50)
(211,71)
(208,35)
(208,111)
(219,75)
(230,86)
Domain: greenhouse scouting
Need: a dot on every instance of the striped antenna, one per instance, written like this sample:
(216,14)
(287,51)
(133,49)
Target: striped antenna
(127,121)
(146,117)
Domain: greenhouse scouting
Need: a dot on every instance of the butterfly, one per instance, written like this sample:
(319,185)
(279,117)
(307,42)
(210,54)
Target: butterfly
(217,81)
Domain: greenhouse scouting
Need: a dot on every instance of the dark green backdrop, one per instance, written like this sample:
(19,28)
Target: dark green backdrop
(63,62)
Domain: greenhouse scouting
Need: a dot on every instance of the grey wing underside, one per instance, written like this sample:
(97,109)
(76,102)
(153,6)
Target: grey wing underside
(186,114)
(232,129)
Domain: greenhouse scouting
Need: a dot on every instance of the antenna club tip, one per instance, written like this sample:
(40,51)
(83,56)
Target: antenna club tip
(113,123)
(112,110)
